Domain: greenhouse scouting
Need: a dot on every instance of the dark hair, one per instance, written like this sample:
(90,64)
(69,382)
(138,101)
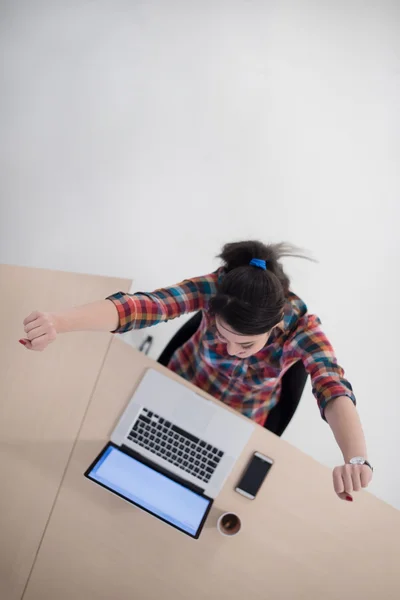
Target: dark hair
(250,299)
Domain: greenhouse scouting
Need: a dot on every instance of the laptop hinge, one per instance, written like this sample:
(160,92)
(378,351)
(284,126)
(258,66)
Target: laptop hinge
(159,469)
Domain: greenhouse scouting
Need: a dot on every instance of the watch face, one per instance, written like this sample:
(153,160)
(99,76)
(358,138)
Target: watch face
(357,460)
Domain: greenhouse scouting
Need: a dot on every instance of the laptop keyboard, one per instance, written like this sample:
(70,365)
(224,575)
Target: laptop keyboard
(179,447)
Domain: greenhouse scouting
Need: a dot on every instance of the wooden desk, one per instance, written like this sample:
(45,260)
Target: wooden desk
(43,399)
(298,540)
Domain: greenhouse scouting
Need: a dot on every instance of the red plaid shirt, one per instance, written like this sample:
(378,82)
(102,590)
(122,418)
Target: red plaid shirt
(251,385)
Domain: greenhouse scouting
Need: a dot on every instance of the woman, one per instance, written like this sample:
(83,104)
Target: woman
(253,330)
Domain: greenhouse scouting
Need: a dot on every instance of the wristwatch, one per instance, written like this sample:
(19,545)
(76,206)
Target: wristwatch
(359,460)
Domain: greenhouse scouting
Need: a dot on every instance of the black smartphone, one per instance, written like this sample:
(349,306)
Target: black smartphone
(254,475)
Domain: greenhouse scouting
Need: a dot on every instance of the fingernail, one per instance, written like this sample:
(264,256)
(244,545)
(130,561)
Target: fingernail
(349,498)
(23,342)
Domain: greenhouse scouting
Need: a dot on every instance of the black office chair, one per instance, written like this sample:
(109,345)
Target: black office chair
(293,381)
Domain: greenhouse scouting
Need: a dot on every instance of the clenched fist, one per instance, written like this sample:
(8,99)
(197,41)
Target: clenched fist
(350,478)
(40,331)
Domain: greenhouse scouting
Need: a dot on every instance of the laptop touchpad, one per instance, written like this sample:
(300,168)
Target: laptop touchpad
(196,415)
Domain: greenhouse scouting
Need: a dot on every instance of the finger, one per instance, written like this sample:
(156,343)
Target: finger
(36,332)
(345,496)
(338,483)
(347,480)
(34,315)
(26,344)
(365,476)
(339,486)
(36,323)
(40,343)
(356,479)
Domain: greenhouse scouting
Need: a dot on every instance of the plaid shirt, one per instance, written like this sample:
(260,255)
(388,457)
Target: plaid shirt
(251,385)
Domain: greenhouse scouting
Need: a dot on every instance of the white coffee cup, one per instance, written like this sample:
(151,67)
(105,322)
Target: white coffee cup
(229,524)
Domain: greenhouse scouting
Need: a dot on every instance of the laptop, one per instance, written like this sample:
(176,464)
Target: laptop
(171,452)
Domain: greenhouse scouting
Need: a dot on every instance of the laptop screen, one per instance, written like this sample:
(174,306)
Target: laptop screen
(147,488)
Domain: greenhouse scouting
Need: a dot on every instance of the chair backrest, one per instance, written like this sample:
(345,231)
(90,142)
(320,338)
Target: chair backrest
(293,384)
(293,381)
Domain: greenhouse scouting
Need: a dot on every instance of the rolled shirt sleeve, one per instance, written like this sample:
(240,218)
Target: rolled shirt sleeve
(312,346)
(140,310)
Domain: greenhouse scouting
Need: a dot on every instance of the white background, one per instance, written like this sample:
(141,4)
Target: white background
(138,137)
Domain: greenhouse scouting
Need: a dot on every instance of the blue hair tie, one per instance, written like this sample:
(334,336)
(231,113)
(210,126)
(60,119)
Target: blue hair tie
(258,262)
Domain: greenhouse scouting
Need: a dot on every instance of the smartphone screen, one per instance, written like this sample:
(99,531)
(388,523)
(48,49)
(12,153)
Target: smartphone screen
(254,475)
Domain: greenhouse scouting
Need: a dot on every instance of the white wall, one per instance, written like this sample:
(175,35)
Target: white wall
(137,137)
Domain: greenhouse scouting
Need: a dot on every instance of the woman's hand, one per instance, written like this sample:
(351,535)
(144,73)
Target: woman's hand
(40,331)
(350,478)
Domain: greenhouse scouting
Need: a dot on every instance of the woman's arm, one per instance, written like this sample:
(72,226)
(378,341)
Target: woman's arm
(345,423)
(121,312)
(336,402)
(97,316)
(42,328)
